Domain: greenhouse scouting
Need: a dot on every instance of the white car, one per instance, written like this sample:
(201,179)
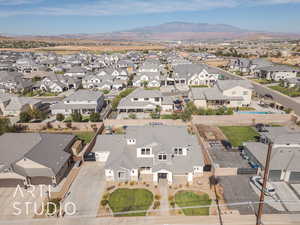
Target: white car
(258,182)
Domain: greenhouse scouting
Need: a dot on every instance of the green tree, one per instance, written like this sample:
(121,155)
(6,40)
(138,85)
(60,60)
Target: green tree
(95,117)
(25,117)
(60,117)
(76,117)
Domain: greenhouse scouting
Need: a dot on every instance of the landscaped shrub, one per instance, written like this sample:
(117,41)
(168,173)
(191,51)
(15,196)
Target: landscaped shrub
(104,202)
(156,205)
(25,117)
(60,117)
(76,117)
(157,197)
(95,117)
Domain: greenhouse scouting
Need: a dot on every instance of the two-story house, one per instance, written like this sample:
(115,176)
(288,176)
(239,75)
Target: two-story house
(152,154)
(226,93)
(141,100)
(82,101)
(195,74)
(59,83)
(278,72)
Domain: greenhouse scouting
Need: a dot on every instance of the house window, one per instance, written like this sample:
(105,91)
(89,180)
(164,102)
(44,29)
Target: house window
(135,99)
(131,141)
(156,99)
(145,151)
(146,99)
(178,151)
(162,156)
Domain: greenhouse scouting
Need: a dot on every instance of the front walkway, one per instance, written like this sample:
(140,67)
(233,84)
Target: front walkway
(164,201)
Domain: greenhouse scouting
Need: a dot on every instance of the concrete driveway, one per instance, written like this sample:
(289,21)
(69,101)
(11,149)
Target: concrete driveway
(10,200)
(285,193)
(87,189)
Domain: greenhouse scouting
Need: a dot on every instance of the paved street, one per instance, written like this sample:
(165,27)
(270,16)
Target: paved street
(170,220)
(87,189)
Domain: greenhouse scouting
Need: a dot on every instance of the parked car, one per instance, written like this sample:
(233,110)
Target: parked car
(89,156)
(258,182)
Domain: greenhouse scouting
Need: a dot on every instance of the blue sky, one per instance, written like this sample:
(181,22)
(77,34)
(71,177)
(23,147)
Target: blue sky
(47,17)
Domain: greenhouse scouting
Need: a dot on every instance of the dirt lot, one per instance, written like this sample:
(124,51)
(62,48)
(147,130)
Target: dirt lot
(96,49)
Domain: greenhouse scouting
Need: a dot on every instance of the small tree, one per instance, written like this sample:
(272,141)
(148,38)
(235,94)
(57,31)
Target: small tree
(25,117)
(76,117)
(95,117)
(60,117)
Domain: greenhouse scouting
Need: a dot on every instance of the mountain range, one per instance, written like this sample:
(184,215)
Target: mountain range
(175,31)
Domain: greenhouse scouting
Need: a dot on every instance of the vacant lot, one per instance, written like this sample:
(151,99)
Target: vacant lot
(292,92)
(239,134)
(124,200)
(95,49)
(191,199)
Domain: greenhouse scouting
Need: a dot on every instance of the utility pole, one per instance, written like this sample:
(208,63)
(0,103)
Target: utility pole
(265,179)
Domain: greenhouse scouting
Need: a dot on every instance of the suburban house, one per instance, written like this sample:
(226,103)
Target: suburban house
(149,79)
(100,82)
(226,93)
(150,66)
(278,72)
(59,83)
(82,101)
(26,65)
(292,82)
(240,65)
(285,156)
(35,158)
(148,153)
(194,75)
(13,105)
(141,100)
(76,71)
(14,82)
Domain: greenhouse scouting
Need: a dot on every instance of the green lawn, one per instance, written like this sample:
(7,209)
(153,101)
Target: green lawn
(262,81)
(239,134)
(125,200)
(86,137)
(292,92)
(189,198)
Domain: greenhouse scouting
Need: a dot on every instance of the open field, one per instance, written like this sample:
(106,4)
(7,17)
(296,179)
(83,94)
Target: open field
(69,49)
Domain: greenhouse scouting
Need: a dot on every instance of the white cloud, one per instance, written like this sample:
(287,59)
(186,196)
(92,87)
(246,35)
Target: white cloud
(126,7)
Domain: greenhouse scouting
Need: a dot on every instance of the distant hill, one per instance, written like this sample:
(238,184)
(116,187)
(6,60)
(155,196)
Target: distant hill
(187,27)
(175,31)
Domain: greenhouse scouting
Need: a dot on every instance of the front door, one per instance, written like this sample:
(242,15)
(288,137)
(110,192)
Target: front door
(162,176)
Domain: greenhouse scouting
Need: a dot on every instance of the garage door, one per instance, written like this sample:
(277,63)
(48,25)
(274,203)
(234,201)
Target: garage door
(275,175)
(11,182)
(41,180)
(295,177)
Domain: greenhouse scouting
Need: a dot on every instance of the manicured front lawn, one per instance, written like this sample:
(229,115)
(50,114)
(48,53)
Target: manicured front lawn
(292,92)
(239,134)
(189,198)
(125,200)
(85,136)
